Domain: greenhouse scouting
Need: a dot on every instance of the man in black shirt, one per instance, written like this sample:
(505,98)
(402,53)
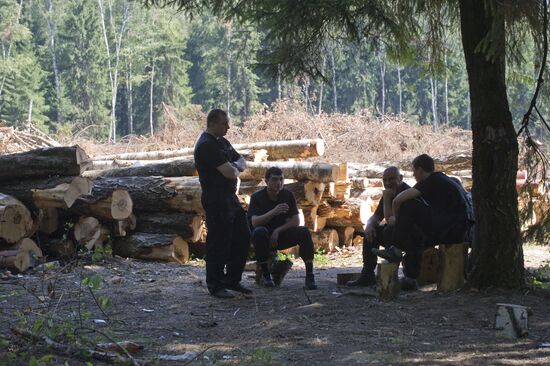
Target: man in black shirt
(442,220)
(377,234)
(228,238)
(274,217)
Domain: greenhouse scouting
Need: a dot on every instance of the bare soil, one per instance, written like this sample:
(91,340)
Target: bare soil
(165,308)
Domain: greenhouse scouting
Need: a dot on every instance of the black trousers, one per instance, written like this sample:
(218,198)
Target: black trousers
(290,237)
(383,236)
(227,242)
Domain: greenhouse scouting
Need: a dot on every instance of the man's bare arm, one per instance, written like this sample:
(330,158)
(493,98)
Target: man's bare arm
(228,170)
(404,196)
(388,195)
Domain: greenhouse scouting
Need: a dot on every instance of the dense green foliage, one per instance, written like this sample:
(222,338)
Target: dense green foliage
(64,65)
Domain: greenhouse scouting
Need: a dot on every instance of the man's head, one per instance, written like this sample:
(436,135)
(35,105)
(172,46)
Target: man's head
(217,123)
(392,178)
(423,166)
(274,179)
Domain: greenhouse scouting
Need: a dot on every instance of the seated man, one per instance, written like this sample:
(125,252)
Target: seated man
(442,219)
(377,234)
(275,221)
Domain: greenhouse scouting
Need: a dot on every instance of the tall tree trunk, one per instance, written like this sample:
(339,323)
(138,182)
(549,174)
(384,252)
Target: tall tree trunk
(321,88)
(151,98)
(279,87)
(228,52)
(52,29)
(399,88)
(334,93)
(129,97)
(382,62)
(8,54)
(495,149)
(446,92)
(29,118)
(435,121)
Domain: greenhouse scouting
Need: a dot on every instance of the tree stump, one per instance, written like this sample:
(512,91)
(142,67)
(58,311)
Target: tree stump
(430,267)
(388,281)
(511,321)
(452,259)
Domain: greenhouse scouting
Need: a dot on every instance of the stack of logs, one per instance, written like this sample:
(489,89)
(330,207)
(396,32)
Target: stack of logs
(147,205)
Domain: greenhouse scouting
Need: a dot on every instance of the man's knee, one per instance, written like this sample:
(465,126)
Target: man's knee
(303,234)
(260,232)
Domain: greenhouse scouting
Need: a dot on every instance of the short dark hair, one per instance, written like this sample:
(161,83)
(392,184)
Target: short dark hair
(215,116)
(425,162)
(273,171)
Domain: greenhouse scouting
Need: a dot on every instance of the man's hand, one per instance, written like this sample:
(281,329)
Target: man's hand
(388,194)
(281,208)
(273,239)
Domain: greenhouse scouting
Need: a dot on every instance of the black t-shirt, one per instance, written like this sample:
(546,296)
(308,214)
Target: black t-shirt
(260,203)
(445,198)
(210,153)
(380,209)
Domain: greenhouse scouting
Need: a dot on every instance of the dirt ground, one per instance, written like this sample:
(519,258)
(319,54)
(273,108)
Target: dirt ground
(165,308)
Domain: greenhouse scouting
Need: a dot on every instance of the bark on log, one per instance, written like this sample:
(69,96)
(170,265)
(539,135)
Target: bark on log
(186,225)
(161,247)
(65,160)
(15,219)
(175,168)
(283,150)
(320,172)
(129,159)
(155,194)
(48,220)
(452,259)
(388,281)
(310,219)
(326,240)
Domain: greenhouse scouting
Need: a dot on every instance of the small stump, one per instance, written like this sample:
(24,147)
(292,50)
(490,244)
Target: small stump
(511,321)
(452,259)
(429,268)
(388,281)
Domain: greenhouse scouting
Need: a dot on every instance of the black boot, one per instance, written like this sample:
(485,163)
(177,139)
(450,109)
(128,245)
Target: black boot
(310,282)
(266,280)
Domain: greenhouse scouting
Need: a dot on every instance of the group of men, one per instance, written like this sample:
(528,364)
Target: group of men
(406,221)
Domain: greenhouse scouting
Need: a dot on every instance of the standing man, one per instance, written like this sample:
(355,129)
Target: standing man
(274,217)
(228,239)
(377,234)
(443,220)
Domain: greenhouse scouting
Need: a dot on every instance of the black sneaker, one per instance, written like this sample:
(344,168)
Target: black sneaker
(279,270)
(408,284)
(222,294)
(310,282)
(239,288)
(391,254)
(267,281)
(363,281)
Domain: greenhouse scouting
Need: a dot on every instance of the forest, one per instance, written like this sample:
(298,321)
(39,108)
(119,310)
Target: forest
(109,68)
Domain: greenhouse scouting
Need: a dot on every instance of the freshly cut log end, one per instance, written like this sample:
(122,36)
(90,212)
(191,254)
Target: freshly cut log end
(27,254)
(180,250)
(15,219)
(325,240)
(388,281)
(79,187)
(345,235)
(90,233)
(121,204)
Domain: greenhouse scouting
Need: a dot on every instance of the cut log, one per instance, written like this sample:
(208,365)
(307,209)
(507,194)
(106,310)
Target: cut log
(22,256)
(61,248)
(429,269)
(511,321)
(388,281)
(105,204)
(122,227)
(64,160)
(90,233)
(325,240)
(308,217)
(345,235)
(78,187)
(452,259)
(186,225)
(175,168)
(359,183)
(343,278)
(15,219)
(284,150)
(352,212)
(48,220)
(161,247)
(320,172)
(307,192)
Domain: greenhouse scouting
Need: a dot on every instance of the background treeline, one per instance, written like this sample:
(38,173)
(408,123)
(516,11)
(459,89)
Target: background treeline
(109,68)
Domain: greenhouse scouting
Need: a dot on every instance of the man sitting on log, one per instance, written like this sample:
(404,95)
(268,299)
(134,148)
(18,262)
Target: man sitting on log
(432,212)
(377,234)
(228,238)
(275,221)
